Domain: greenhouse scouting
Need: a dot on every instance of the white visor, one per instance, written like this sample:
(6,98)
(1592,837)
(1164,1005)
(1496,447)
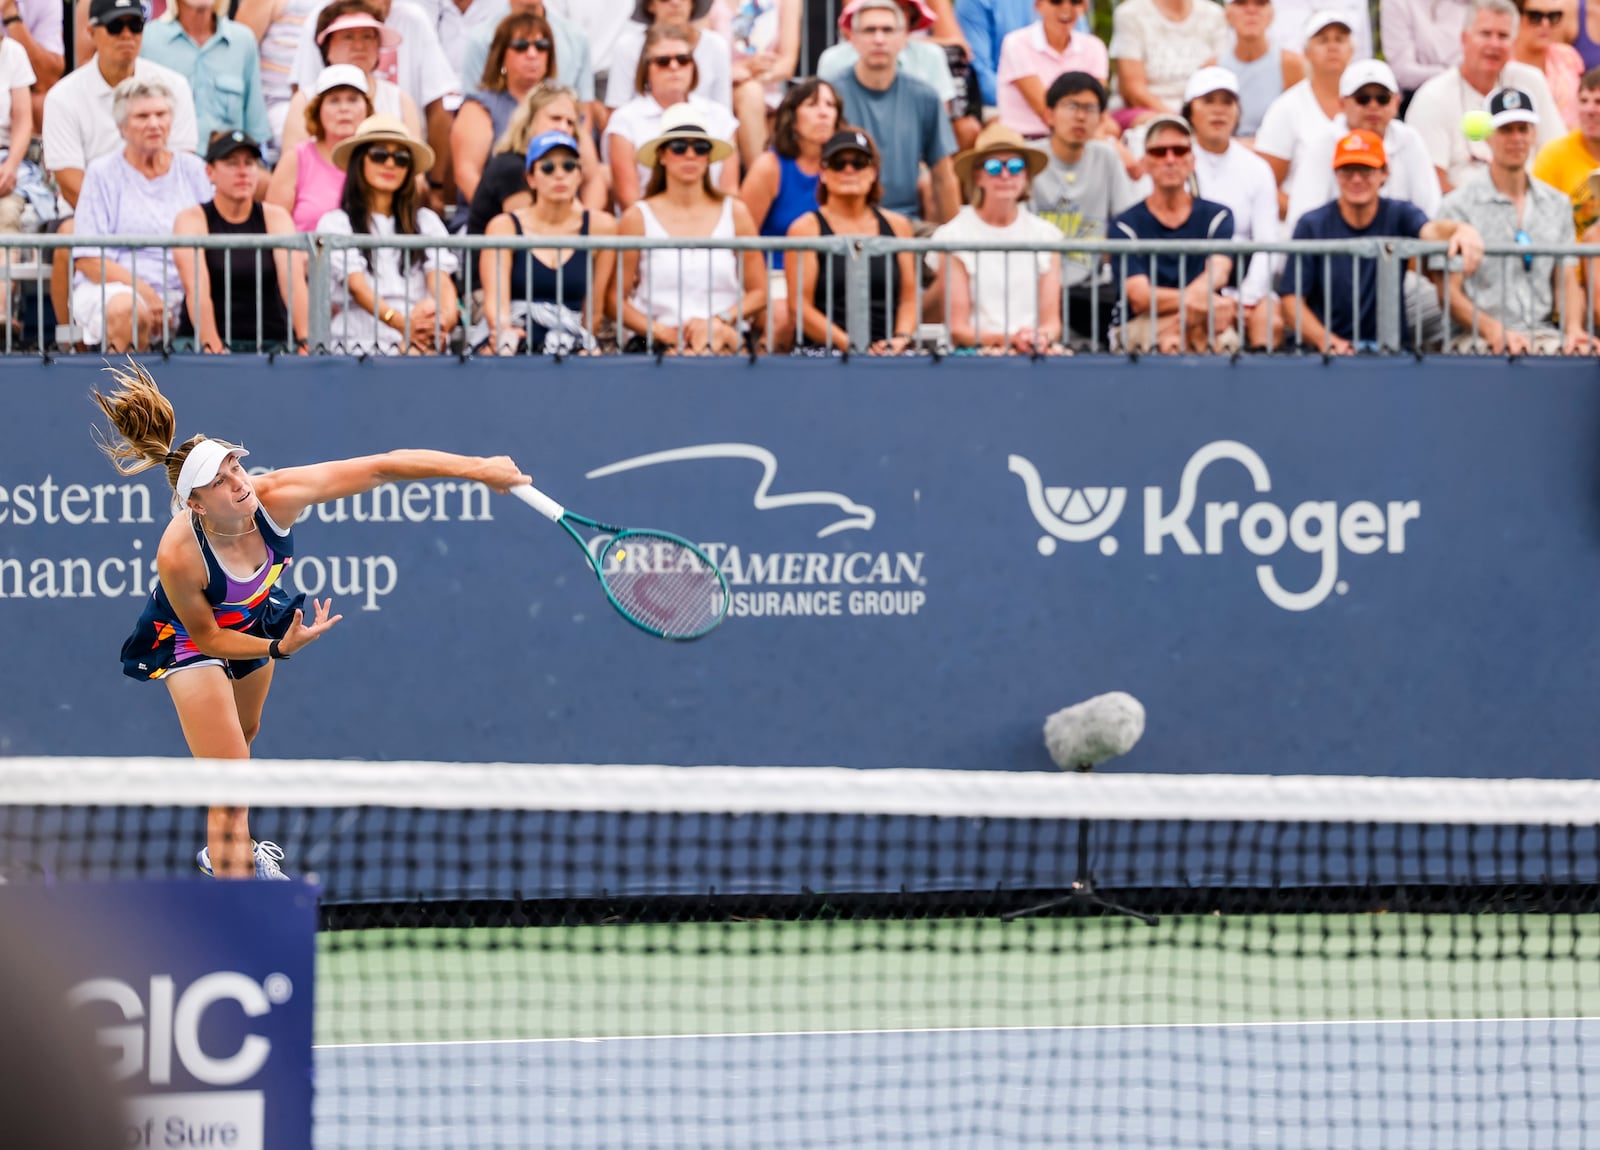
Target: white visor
(200,467)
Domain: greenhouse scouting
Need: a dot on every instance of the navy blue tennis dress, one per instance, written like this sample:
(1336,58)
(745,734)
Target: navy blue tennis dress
(258,605)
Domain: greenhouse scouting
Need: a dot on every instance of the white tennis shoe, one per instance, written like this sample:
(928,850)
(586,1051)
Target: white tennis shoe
(267,854)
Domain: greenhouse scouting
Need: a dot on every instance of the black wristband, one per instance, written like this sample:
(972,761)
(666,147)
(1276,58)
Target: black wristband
(273,652)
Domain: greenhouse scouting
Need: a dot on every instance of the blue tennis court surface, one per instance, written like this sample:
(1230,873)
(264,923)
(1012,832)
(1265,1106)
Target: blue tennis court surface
(1510,1084)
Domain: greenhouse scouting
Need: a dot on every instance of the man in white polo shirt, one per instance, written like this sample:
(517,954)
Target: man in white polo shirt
(1370,96)
(1486,65)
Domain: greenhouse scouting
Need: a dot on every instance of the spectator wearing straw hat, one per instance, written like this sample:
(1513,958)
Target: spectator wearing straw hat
(1370,97)
(1032,57)
(386,300)
(922,57)
(1001,301)
(225,290)
(701,301)
(713,57)
(349,32)
(901,114)
(1175,303)
(667,74)
(1506,307)
(1318,290)
(1231,174)
(848,196)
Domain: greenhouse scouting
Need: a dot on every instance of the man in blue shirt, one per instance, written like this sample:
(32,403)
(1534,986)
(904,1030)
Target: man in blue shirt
(218,57)
(904,116)
(1335,310)
(1178,304)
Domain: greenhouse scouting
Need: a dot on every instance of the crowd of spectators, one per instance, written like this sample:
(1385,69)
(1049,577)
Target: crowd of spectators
(1005,124)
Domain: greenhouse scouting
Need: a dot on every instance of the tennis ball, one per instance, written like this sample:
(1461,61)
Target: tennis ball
(1476,125)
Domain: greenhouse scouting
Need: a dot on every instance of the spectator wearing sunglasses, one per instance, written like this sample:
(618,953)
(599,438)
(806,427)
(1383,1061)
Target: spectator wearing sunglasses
(386,300)
(713,58)
(1331,301)
(521,57)
(1539,45)
(1263,70)
(545,300)
(571,44)
(848,196)
(78,124)
(1174,304)
(700,301)
(667,74)
(1001,301)
(504,186)
(1513,306)
(1032,57)
(1369,97)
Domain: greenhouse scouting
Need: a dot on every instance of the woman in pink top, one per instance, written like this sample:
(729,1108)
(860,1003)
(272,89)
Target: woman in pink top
(1540,44)
(306,183)
(1034,55)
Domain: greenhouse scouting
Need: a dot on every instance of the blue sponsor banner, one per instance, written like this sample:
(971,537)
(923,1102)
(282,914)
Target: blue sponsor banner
(200,995)
(1369,567)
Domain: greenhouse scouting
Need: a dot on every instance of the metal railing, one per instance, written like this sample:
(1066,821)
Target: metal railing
(1406,321)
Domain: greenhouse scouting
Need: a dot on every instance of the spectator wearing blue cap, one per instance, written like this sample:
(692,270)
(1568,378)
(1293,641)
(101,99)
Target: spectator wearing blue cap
(545,299)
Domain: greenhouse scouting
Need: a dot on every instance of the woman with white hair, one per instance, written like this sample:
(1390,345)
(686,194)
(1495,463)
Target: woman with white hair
(123,298)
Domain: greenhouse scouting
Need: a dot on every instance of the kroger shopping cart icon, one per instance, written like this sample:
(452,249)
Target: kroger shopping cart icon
(1318,527)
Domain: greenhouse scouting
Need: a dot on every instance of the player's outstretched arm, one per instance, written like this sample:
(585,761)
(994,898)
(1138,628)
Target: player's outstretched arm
(286,493)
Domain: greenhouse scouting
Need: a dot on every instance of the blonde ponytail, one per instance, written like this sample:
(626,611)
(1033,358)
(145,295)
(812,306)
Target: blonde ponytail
(144,423)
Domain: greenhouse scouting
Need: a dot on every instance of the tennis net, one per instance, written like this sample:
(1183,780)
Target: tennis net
(657,956)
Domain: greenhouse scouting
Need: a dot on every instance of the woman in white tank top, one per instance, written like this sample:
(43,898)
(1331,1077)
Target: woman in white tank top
(693,299)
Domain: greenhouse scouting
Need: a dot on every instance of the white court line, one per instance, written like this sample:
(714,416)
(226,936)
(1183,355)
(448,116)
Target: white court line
(959,1030)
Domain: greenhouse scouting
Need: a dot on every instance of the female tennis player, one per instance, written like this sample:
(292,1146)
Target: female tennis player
(220,615)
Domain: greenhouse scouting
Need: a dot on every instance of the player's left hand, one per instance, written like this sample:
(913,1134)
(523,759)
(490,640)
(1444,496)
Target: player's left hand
(501,474)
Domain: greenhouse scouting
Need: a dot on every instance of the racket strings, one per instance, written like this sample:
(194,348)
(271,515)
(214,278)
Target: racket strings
(663,584)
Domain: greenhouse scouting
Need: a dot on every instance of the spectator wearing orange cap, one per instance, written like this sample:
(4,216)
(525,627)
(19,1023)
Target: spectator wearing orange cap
(1331,301)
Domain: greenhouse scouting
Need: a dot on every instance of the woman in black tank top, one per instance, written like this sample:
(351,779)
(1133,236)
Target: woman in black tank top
(848,194)
(221,302)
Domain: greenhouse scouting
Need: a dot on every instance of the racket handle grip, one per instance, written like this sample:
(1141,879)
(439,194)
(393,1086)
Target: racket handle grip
(539,501)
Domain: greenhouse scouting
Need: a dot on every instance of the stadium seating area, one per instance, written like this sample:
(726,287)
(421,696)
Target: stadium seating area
(1030,178)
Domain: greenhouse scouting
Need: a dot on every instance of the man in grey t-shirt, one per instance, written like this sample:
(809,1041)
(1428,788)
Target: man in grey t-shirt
(1081,190)
(904,116)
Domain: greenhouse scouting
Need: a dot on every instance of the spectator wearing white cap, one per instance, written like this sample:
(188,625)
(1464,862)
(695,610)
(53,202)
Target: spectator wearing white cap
(1370,97)
(1290,18)
(1264,71)
(348,32)
(1156,46)
(1032,57)
(1230,174)
(1486,64)
(1308,107)
(307,183)
(1421,38)
(1175,303)
(1507,306)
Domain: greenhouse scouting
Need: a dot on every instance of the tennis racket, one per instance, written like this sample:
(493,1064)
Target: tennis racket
(659,582)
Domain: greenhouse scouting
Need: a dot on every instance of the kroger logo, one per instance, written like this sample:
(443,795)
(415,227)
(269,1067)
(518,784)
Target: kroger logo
(1315,527)
(165,1021)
